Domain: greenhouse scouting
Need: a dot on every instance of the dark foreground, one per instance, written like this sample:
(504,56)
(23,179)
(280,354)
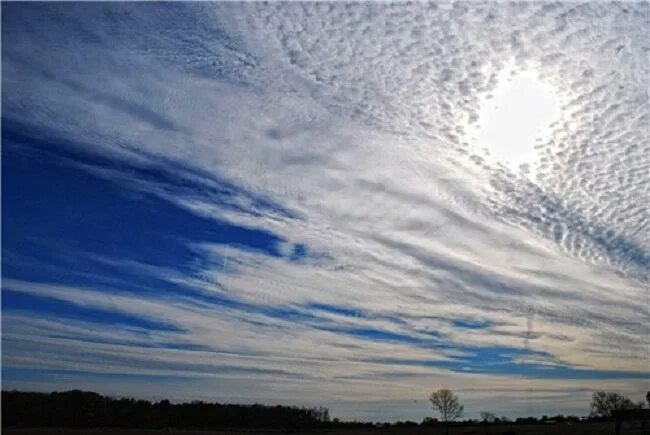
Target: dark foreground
(74,412)
(603,428)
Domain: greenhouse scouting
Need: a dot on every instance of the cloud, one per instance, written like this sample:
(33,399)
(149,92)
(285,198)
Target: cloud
(292,190)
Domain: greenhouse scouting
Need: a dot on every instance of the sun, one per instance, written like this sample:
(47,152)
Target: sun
(519,113)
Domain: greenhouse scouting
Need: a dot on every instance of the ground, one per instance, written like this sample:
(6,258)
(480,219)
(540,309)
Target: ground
(575,429)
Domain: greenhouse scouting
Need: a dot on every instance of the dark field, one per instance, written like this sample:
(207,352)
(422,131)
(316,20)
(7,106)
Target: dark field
(574,429)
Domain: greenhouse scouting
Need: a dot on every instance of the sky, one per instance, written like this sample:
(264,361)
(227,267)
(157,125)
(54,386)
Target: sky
(337,204)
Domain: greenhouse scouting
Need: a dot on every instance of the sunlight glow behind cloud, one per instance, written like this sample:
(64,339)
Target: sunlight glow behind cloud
(518,115)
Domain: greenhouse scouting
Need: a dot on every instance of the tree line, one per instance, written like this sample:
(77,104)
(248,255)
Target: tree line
(604,406)
(87,409)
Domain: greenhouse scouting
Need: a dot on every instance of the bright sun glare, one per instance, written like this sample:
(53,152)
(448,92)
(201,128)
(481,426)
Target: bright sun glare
(520,112)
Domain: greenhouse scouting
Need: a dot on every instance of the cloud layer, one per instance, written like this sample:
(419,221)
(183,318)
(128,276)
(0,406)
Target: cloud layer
(284,200)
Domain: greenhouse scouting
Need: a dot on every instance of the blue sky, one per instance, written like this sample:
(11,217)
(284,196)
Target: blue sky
(284,203)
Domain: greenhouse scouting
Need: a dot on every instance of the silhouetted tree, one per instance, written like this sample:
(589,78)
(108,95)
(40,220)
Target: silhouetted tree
(429,421)
(647,398)
(321,414)
(603,404)
(446,403)
(488,417)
